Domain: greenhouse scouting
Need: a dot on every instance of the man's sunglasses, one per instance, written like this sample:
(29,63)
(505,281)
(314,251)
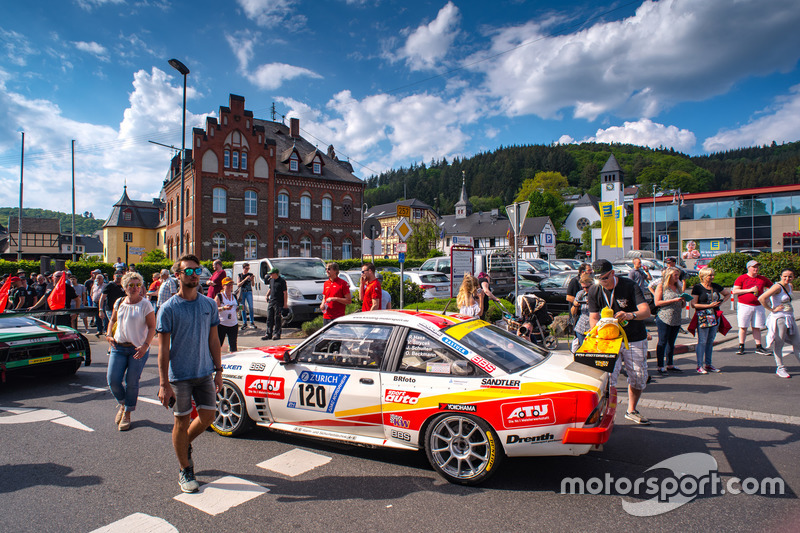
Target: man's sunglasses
(193,271)
(603,277)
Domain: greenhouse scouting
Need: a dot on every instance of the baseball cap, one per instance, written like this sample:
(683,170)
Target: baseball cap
(225,281)
(13,279)
(752,263)
(274,270)
(601,267)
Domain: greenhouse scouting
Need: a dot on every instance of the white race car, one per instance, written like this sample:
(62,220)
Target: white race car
(466,392)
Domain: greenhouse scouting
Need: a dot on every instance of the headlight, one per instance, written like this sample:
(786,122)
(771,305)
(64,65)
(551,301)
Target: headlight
(294,293)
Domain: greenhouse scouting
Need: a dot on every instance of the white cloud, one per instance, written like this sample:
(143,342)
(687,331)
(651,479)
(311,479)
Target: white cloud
(88,5)
(105,158)
(428,45)
(16,46)
(268,76)
(271,13)
(643,132)
(781,124)
(93,48)
(668,51)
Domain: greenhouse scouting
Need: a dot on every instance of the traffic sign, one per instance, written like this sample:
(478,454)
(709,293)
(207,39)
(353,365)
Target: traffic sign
(402,247)
(548,241)
(372,228)
(516,215)
(403,211)
(136,250)
(401,257)
(663,241)
(403,229)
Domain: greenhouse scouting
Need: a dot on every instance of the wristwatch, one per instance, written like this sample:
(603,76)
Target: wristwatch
(218,369)
(634,316)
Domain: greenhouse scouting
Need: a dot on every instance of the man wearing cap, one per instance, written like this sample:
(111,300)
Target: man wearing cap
(625,298)
(277,301)
(335,294)
(245,287)
(750,313)
(15,296)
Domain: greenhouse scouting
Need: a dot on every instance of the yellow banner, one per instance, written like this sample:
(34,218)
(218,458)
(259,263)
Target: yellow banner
(619,214)
(608,228)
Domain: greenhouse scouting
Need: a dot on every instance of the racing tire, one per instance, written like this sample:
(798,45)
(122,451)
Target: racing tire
(551,342)
(71,367)
(231,418)
(462,448)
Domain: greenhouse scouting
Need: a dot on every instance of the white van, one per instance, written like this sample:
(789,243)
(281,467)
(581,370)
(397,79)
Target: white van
(305,278)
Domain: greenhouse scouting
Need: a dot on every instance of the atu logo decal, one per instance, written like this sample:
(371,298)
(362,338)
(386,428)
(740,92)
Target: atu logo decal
(529,413)
(261,387)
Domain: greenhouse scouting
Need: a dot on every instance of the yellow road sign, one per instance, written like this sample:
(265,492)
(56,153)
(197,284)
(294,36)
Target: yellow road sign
(403,229)
(403,211)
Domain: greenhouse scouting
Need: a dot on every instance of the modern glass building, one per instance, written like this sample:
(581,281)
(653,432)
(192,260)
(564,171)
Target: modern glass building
(707,224)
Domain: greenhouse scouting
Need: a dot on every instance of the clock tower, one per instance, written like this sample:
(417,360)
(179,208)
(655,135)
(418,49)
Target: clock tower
(611,186)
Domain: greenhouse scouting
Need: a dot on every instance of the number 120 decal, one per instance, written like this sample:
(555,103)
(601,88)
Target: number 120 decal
(316,391)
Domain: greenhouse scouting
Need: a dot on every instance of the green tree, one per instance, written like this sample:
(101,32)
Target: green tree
(154,256)
(548,204)
(553,182)
(423,238)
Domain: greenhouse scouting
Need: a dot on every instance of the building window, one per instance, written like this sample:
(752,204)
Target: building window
(583,222)
(317,168)
(417,213)
(305,206)
(327,249)
(235,159)
(283,246)
(283,205)
(294,163)
(127,236)
(305,247)
(244,161)
(226,159)
(218,245)
(219,203)
(347,209)
(250,203)
(327,205)
(127,215)
(250,245)
(347,249)
(186,202)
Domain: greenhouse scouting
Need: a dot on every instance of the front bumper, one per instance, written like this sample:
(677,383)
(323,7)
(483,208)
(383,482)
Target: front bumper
(599,434)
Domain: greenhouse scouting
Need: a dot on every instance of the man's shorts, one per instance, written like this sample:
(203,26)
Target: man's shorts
(202,390)
(635,359)
(751,316)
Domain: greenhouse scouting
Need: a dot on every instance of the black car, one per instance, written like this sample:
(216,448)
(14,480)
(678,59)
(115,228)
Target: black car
(554,290)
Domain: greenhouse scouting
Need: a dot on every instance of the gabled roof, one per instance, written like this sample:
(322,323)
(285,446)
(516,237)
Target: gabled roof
(588,200)
(35,225)
(535,225)
(143,214)
(479,225)
(390,209)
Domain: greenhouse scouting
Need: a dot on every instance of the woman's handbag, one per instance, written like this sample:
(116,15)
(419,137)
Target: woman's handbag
(706,318)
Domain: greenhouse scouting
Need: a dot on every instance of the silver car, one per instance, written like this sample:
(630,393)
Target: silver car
(435,284)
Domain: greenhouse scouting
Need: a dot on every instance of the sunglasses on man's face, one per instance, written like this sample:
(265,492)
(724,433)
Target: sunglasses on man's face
(604,277)
(192,271)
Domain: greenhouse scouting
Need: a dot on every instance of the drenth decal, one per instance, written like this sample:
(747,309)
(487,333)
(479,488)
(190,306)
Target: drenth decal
(483,363)
(261,387)
(317,391)
(529,413)
(514,439)
(401,396)
(494,383)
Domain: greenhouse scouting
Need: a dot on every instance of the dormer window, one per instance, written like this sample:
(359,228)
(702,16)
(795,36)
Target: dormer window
(294,163)
(317,168)
(127,215)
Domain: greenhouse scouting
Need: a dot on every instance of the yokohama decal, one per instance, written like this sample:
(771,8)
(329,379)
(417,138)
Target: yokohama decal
(529,413)
(261,387)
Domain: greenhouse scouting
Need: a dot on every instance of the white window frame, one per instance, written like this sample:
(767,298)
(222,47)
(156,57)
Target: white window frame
(226,159)
(283,204)
(219,243)
(305,206)
(283,246)
(250,246)
(327,208)
(317,168)
(250,203)
(327,249)
(219,202)
(235,161)
(305,246)
(347,249)
(243,161)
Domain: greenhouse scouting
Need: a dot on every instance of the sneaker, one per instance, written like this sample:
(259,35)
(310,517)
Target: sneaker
(674,369)
(187,481)
(266,338)
(740,351)
(277,337)
(782,373)
(244,327)
(712,368)
(634,416)
(662,371)
(701,370)
(761,351)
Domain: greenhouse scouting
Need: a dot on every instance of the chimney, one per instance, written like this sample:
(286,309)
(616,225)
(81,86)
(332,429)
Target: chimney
(294,127)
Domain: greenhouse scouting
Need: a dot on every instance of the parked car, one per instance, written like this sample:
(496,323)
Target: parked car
(437,264)
(528,271)
(554,291)
(624,266)
(702,262)
(567,264)
(466,392)
(352,277)
(27,342)
(435,284)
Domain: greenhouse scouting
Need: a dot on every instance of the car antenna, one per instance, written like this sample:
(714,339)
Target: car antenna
(444,312)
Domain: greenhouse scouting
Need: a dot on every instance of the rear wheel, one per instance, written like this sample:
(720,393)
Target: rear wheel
(232,418)
(462,448)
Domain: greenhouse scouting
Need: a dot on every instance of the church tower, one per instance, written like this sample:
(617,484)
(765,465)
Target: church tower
(611,186)
(463,206)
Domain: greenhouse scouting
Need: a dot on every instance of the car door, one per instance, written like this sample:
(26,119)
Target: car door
(335,381)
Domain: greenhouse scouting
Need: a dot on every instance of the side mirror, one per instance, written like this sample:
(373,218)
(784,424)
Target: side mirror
(460,368)
(286,358)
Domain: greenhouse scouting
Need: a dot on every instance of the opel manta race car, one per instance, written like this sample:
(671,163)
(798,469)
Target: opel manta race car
(465,391)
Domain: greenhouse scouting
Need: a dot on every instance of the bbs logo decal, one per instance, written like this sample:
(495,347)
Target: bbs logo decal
(257,367)
(528,413)
(261,387)
(401,435)
(456,346)
(401,396)
(483,363)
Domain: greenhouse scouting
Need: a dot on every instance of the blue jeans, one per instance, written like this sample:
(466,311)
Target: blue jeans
(666,342)
(246,299)
(123,375)
(705,345)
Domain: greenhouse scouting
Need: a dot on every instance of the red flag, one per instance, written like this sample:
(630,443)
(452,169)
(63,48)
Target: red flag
(4,294)
(58,296)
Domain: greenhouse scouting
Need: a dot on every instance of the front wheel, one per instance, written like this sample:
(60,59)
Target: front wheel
(550,342)
(232,418)
(462,448)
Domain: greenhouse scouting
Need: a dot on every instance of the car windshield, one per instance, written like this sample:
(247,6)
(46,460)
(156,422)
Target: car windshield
(434,278)
(298,268)
(501,348)
(18,322)
(556,280)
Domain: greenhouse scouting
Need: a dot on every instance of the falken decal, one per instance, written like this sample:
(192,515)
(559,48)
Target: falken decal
(529,413)
(317,391)
(261,387)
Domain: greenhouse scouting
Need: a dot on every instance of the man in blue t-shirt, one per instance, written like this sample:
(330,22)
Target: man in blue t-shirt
(188,355)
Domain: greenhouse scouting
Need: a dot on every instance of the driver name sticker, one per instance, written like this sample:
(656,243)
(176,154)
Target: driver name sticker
(263,387)
(317,391)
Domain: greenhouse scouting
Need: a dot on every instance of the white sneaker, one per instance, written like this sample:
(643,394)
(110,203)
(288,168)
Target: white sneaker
(782,373)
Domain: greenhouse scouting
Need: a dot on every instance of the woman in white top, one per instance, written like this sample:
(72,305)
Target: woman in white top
(781,325)
(130,332)
(228,321)
(466,298)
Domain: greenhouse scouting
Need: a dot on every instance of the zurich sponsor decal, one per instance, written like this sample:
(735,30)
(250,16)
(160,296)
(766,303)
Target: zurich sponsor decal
(456,346)
(317,391)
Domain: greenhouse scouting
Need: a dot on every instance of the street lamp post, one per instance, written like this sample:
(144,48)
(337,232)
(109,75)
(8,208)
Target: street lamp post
(180,67)
(677,198)
(364,208)
(654,239)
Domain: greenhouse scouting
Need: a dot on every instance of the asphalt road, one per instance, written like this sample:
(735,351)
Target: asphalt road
(69,469)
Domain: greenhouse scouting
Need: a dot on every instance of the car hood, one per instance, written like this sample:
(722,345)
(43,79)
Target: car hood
(561,367)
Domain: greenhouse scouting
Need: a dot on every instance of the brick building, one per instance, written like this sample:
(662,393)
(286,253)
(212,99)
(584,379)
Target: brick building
(256,188)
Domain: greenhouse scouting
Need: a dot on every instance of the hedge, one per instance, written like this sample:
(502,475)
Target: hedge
(772,264)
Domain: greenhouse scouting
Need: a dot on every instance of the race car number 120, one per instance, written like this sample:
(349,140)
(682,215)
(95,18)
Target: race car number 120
(317,391)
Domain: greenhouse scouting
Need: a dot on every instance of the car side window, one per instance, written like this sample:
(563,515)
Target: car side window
(348,345)
(422,354)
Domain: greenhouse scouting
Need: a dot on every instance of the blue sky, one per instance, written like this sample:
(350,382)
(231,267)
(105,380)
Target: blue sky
(387,82)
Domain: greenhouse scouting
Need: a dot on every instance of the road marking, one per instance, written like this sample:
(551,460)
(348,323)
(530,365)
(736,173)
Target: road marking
(294,462)
(141,398)
(27,415)
(222,494)
(711,410)
(138,523)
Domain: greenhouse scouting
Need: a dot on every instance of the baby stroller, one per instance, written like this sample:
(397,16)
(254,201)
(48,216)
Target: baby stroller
(533,321)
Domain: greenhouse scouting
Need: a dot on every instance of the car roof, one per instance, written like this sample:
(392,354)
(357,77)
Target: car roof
(406,317)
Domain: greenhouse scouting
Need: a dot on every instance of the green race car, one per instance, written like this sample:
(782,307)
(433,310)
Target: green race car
(27,342)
